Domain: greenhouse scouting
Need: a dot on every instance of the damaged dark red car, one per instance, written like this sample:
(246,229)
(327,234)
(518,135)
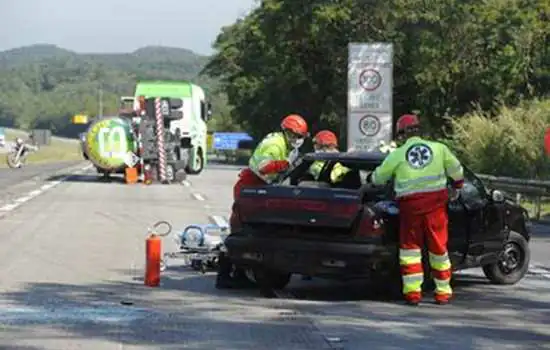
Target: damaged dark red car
(349,230)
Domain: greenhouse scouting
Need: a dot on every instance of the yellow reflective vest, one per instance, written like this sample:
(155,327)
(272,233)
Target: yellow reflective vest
(336,175)
(419,166)
(272,147)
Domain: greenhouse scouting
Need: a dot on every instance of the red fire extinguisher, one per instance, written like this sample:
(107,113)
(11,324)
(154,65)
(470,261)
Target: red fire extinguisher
(147,174)
(153,253)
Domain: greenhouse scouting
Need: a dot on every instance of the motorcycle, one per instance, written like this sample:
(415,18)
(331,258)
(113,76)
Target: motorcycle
(17,157)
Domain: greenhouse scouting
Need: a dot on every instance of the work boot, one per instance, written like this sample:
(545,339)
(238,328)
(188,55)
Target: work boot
(413,298)
(223,278)
(442,299)
(412,302)
(224,282)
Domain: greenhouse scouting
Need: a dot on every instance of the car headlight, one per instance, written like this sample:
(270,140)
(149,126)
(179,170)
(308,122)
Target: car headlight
(193,237)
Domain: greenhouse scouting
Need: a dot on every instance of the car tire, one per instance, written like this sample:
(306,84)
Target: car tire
(516,253)
(271,279)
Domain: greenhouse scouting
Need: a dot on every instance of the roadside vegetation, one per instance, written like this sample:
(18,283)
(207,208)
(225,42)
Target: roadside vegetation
(476,72)
(60,149)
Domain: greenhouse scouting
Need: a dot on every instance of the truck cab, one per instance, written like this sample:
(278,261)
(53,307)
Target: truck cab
(190,112)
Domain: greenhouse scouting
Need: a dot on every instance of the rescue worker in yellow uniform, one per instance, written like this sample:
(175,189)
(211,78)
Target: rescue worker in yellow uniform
(273,155)
(326,141)
(420,169)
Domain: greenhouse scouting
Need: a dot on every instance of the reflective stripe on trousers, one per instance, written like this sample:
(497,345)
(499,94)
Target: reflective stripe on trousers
(410,261)
(441,271)
(415,231)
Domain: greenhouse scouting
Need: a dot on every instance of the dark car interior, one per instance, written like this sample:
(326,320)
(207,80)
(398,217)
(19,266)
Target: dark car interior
(473,196)
(355,179)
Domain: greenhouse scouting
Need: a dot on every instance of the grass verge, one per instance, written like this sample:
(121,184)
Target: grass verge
(60,149)
(530,205)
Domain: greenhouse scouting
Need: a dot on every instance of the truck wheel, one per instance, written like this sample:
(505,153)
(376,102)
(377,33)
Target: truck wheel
(199,164)
(170,173)
(513,261)
(181,175)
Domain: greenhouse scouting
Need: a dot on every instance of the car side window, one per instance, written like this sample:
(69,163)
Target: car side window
(473,192)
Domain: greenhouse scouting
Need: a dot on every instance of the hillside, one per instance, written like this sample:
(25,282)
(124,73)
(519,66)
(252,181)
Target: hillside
(44,85)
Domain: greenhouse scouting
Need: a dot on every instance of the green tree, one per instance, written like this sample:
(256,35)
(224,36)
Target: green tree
(291,56)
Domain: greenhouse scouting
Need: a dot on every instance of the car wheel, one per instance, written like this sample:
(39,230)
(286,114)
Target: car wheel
(267,278)
(513,261)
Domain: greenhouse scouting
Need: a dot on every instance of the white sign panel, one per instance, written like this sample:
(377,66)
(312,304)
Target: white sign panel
(369,130)
(370,89)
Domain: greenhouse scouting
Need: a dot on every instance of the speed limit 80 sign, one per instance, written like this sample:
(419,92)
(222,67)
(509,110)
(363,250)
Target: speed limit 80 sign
(369,125)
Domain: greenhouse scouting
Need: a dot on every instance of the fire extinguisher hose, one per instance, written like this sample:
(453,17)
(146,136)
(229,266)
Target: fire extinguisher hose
(154,230)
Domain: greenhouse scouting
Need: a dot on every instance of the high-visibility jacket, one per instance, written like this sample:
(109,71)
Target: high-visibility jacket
(272,148)
(336,174)
(419,166)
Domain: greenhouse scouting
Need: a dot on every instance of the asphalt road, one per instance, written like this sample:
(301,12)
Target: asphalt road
(71,266)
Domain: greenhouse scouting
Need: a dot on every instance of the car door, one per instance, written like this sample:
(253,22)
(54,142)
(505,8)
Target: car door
(458,232)
(486,218)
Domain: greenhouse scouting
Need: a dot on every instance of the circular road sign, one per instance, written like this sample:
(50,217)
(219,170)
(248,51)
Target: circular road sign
(370,79)
(369,125)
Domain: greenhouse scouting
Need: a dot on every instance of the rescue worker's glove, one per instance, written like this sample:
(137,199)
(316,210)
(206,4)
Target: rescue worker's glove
(454,194)
(274,167)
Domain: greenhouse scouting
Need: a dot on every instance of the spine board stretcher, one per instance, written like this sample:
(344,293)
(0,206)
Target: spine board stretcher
(199,246)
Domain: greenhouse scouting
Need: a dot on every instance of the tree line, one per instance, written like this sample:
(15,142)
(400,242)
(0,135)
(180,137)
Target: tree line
(451,58)
(43,86)
(292,56)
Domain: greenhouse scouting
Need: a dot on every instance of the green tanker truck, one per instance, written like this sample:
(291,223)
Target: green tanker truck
(110,142)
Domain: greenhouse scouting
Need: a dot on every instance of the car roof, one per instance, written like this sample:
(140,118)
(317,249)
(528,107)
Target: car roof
(370,157)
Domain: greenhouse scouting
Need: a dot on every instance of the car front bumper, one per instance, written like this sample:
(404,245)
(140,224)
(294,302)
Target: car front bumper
(338,260)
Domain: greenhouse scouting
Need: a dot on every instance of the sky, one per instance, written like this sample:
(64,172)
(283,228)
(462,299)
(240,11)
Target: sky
(117,25)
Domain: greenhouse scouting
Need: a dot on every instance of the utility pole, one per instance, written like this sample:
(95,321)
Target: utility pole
(100,101)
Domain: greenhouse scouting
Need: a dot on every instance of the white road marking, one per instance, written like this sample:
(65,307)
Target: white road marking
(23,199)
(219,220)
(35,193)
(198,196)
(8,207)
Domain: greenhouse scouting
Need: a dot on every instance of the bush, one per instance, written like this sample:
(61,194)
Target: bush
(508,144)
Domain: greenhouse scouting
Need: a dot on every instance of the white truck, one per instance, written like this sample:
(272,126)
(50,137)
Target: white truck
(190,111)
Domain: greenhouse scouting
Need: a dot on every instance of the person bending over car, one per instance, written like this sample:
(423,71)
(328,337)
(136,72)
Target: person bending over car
(273,155)
(326,141)
(420,169)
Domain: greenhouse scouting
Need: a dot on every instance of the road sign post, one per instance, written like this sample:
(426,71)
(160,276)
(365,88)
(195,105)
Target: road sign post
(370,90)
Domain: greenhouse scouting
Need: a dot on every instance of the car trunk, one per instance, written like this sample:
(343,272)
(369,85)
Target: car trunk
(299,210)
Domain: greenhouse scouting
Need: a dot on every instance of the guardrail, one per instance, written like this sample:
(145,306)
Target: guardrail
(535,189)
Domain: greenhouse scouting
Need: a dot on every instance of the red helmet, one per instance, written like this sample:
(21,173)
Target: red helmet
(295,124)
(407,121)
(326,138)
